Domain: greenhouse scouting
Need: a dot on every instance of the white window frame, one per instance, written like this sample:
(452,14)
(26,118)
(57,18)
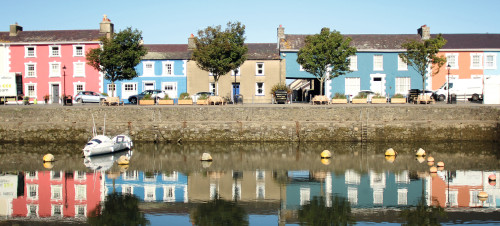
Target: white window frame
(109,89)
(148,71)
(166,190)
(26,70)
(174,176)
(257,69)
(26,52)
(376,59)
(29,206)
(353,63)
(149,189)
(126,187)
(263,93)
(27,92)
(402,66)
(53,210)
(236,190)
(453,64)
(75,85)
(80,194)
(77,73)
(56,192)
(53,175)
(352,177)
(494,63)
(480,63)
(260,175)
(305,195)
(260,190)
(402,88)
(402,196)
(212,87)
(352,195)
(51,51)
(77,208)
(354,88)
(165,68)
(29,176)
(237,74)
(75,51)
(131,175)
(29,188)
(53,73)
(80,175)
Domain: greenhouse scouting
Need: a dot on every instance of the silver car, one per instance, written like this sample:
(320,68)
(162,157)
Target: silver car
(89,97)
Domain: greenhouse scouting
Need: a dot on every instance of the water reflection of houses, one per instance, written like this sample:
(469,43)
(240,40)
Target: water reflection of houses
(461,188)
(56,194)
(150,186)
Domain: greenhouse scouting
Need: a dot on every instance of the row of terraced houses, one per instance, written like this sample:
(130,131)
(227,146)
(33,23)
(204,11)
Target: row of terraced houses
(53,63)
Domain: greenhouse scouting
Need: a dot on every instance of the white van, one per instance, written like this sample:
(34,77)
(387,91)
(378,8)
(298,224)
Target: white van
(464,89)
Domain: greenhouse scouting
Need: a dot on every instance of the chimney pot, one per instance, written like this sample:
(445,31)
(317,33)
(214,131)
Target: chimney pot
(191,44)
(15,29)
(106,27)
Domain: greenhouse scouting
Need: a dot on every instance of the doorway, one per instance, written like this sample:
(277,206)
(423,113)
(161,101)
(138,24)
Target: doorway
(377,84)
(236,90)
(55,93)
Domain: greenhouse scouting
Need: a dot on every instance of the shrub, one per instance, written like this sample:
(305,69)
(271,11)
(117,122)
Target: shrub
(147,97)
(361,96)
(203,97)
(166,97)
(398,95)
(104,94)
(339,96)
(378,96)
(184,96)
(280,86)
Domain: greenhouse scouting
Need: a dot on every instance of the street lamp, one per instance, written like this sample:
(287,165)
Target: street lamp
(448,83)
(64,84)
(234,94)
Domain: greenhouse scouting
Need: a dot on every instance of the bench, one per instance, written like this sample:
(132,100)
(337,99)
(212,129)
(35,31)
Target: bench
(112,101)
(421,99)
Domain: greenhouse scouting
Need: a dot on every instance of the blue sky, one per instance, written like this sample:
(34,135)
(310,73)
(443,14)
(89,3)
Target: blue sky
(171,22)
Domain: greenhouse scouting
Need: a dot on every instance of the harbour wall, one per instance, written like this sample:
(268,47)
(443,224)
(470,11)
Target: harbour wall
(242,123)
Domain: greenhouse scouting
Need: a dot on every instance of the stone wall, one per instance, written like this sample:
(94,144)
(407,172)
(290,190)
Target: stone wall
(252,123)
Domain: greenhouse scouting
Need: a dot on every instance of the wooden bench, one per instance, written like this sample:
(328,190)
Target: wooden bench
(320,100)
(112,101)
(421,99)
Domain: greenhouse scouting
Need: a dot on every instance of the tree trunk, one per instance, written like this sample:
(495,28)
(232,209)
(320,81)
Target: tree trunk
(321,87)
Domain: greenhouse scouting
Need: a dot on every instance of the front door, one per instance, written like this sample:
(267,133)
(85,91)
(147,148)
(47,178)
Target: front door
(236,89)
(377,84)
(55,93)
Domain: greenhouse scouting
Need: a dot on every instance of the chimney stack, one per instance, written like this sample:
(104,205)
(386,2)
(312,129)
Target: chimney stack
(424,32)
(106,27)
(191,44)
(281,34)
(15,29)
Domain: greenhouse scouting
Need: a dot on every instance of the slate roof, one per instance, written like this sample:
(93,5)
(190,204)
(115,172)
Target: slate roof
(52,36)
(256,51)
(367,42)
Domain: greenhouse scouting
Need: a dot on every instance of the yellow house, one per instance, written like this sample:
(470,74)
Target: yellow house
(253,80)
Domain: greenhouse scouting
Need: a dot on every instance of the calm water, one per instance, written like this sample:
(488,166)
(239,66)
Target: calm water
(251,184)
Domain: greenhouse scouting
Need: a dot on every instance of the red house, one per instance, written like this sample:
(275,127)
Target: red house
(52,63)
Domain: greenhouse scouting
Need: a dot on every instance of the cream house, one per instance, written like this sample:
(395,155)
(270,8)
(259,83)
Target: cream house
(253,80)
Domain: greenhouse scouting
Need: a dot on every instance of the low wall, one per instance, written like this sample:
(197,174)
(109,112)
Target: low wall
(252,123)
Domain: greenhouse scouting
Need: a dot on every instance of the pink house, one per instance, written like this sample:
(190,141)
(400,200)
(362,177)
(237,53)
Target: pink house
(52,63)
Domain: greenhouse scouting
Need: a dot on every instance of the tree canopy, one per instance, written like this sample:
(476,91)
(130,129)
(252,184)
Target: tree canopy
(422,55)
(326,55)
(118,209)
(220,52)
(118,56)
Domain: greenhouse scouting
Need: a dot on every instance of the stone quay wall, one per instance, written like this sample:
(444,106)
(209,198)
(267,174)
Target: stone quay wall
(252,123)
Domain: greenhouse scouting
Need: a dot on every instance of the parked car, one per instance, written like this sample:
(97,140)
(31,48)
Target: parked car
(199,94)
(155,94)
(89,97)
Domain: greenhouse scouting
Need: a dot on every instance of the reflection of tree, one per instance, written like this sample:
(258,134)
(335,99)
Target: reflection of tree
(119,210)
(423,214)
(219,212)
(317,213)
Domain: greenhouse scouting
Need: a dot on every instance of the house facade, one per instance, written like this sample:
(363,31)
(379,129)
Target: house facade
(253,80)
(163,68)
(53,63)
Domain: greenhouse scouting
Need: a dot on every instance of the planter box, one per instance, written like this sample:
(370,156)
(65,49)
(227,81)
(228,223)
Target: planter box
(398,100)
(339,101)
(202,102)
(146,102)
(165,102)
(185,102)
(379,100)
(359,101)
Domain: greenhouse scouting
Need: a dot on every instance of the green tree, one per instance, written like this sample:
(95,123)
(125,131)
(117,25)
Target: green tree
(220,52)
(317,213)
(118,56)
(422,55)
(326,51)
(118,209)
(423,214)
(219,212)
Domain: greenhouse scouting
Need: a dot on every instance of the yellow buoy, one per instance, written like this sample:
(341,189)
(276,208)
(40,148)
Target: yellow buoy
(433,169)
(123,160)
(482,196)
(440,164)
(325,162)
(48,165)
(430,159)
(440,168)
(390,158)
(420,152)
(326,154)
(48,158)
(206,157)
(390,152)
(430,163)
(420,159)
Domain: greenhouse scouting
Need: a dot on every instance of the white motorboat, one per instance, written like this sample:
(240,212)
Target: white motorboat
(101,144)
(105,162)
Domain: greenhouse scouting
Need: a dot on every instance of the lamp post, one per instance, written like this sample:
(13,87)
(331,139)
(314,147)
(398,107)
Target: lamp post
(64,84)
(448,84)
(234,94)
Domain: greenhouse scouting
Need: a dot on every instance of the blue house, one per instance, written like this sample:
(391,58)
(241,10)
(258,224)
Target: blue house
(163,68)
(151,186)
(376,65)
